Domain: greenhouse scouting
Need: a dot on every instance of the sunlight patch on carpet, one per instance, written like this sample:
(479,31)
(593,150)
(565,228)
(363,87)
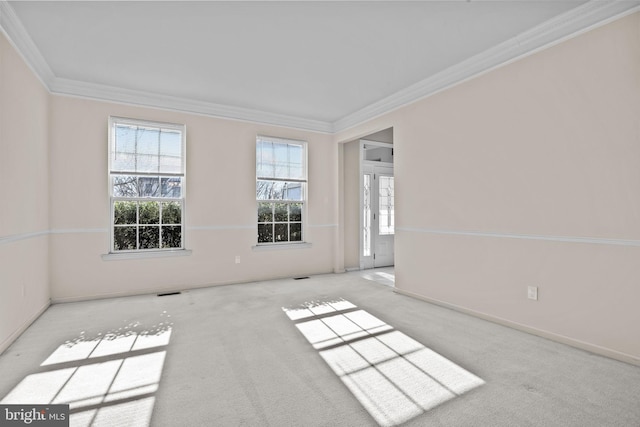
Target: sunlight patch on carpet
(108,379)
(393,376)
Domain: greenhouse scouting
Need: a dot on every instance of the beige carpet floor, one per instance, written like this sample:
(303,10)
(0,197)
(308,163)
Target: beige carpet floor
(330,350)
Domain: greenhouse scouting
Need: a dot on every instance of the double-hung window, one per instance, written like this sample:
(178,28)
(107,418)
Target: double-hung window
(281,181)
(146,185)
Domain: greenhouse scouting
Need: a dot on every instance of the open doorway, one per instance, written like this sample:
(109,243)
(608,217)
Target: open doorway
(377,204)
(369,187)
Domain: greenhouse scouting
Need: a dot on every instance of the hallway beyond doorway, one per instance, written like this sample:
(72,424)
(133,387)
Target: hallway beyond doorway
(383,275)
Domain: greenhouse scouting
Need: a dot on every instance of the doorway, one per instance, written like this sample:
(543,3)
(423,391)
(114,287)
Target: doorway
(377,205)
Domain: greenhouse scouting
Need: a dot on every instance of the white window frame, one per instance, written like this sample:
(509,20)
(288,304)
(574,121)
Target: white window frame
(303,200)
(113,122)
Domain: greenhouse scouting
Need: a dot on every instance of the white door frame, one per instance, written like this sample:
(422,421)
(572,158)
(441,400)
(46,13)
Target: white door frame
(371,167)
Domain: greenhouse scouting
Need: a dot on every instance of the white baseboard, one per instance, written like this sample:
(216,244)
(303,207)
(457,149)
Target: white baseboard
(178,288)
(148,291)
(593,348)
(11,338)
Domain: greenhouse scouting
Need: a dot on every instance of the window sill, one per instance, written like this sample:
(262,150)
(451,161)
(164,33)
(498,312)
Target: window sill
(283,246)
(146,254)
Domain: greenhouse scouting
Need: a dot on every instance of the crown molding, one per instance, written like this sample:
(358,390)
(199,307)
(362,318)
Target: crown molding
(576,21)
(101,92)
(11,25)
(17,35)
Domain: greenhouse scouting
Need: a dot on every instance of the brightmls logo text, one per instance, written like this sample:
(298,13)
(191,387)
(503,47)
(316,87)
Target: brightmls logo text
(34,415)
(28,416)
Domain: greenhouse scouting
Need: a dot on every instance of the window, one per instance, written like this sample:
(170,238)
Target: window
(386,205)
(366,218)
(281,179)
(146,185)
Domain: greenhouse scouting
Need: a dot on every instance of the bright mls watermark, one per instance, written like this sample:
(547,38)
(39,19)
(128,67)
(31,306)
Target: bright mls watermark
(34,415)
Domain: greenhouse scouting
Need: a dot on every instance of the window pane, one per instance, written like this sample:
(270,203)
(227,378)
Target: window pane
(295,212)
(281,164)
(171,187)
(366,220)
(172,237)
(124,238)
(171,213)
(264,159)
(386,224)
(148,141)
(265,212)
(265,233)
(281,212)
(295,161)
(279,159)
(149,237)
(149,186)
(170,151)
(386,205)
(279,190)
(296,232)
(149,213)
(147,163)
(125,186)
(124,150)
(281,232)
(125,212)
(268,190)
(147,149)
(292,191)
(295,172)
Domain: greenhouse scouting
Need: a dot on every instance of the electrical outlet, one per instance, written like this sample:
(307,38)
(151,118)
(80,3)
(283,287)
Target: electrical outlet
(532,292)
(237,259)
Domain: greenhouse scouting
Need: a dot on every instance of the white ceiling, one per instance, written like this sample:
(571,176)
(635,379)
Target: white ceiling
(315,62)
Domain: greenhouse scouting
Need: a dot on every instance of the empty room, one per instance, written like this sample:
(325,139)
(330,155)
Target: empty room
(320,213)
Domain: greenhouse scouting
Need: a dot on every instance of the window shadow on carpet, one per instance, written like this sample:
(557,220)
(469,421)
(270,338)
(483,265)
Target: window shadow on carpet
(393,376)
(109,379)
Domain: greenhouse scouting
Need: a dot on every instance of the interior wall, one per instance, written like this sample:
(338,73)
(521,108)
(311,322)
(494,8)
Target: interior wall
(24,285)
(220,206)
(528,176)
(352,205)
